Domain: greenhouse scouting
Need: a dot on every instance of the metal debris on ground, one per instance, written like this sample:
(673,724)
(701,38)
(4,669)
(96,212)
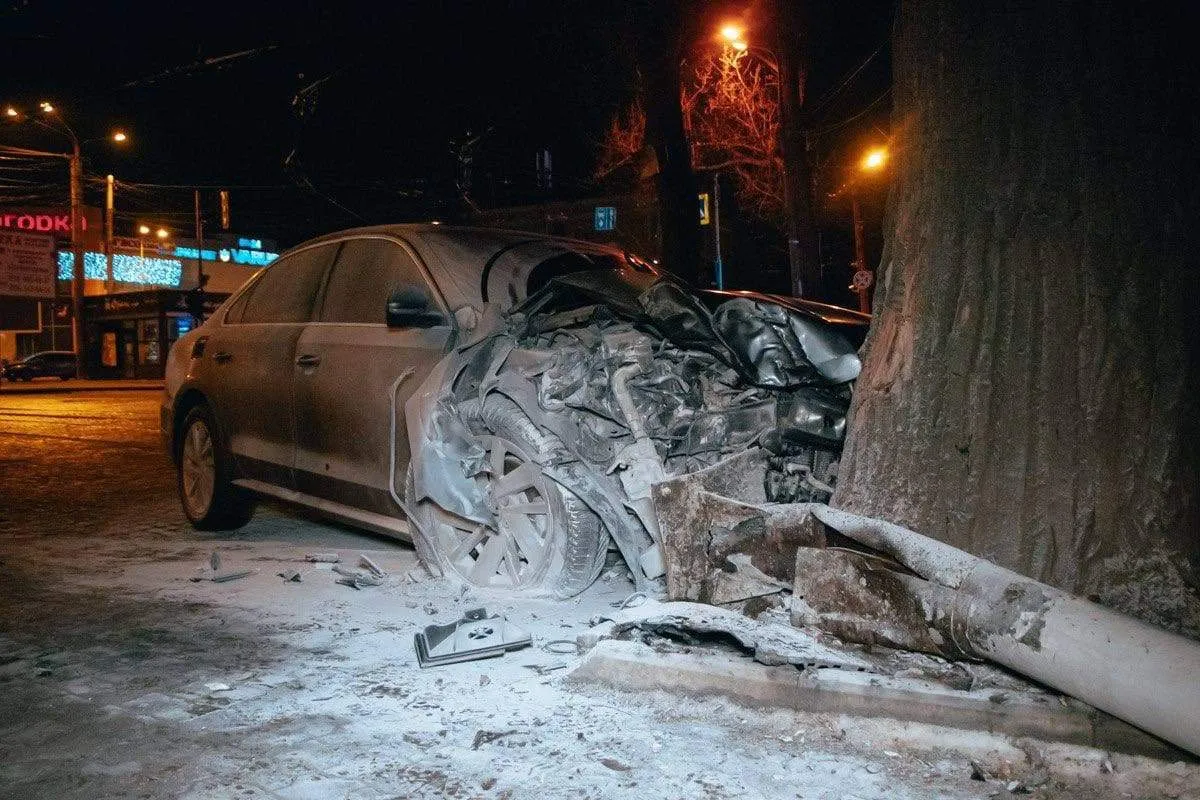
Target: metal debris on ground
(370,566)
(487,737)
(224,577)
(290,576)
(475,636)
(323,558)
(356,579)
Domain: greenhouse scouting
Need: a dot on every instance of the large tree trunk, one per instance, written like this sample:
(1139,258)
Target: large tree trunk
(1030,387)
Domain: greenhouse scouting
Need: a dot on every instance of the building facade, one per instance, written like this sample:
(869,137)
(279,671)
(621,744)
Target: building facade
(140,294)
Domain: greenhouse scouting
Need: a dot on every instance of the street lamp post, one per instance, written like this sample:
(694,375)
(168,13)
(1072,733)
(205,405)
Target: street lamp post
(873,161)
(75,162)
(803,264)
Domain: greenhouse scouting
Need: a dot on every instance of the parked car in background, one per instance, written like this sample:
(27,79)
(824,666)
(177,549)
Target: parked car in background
(502,399)
(49,364)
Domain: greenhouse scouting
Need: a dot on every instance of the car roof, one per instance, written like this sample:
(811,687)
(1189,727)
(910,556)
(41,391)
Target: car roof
(460,258)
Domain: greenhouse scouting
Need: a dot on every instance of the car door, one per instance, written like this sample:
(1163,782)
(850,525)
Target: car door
(353,374)
(251,356)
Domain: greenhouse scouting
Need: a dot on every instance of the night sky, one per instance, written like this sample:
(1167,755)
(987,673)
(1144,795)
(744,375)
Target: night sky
(384,91)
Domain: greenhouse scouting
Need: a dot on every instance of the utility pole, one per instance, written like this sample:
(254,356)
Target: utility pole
(108,229)
(803,259)
(201,278)
(77,337)
(862,275)
(716,223)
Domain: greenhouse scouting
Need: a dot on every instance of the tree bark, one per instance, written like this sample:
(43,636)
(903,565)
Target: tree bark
(1031,378)
(661,29)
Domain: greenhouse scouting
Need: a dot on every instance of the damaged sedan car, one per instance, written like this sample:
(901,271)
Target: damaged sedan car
(505,400)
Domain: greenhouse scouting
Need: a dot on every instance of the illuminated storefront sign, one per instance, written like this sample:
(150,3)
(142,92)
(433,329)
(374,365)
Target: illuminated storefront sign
(41,223)
(253,258)
(152,271)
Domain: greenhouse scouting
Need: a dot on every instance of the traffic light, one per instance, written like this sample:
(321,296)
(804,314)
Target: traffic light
(195,300)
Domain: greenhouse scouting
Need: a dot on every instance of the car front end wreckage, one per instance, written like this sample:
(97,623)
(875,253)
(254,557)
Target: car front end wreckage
(639,380)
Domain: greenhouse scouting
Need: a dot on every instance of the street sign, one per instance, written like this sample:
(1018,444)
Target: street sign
(705,215)
(606,218)
(27,265)
(863,279)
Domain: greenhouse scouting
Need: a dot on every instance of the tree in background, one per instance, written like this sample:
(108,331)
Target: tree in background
(730,108)
(731,115)
(1030,390)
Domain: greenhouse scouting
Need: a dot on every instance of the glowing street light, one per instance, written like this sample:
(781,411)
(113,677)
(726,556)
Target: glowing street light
(144,230)
(46,107)
(120,136)
(732,33)
(162,233)
(11,112)
(874,159)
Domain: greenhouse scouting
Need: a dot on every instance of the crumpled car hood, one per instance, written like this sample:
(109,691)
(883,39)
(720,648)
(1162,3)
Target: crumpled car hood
(772,343)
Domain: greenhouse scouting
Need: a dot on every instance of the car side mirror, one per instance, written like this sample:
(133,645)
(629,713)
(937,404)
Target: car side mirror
(410,308)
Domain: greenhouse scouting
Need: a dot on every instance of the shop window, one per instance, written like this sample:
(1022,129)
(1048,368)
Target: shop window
(286,290)
(366,274)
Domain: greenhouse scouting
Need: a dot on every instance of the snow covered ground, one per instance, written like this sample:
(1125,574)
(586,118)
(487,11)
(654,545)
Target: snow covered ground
(123,677)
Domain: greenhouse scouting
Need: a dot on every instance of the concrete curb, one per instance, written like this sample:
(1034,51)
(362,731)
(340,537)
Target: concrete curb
(7,388)
(632,666)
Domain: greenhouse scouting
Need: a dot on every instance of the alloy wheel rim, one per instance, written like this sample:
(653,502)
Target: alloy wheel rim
(512,552)
(199,469)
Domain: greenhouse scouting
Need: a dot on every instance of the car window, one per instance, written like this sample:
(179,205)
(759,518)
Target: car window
(234,314)
(286,291)
(365,275)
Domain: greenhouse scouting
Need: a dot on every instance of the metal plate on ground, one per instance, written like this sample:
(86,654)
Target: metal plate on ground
(475,636)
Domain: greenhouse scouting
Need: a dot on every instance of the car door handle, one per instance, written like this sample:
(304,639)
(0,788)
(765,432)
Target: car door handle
(222,357)
(308,361)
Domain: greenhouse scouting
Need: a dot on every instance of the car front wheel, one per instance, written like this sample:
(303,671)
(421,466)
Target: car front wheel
(543,539)
(204,478)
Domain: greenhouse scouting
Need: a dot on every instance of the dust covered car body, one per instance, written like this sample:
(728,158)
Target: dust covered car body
(505,400)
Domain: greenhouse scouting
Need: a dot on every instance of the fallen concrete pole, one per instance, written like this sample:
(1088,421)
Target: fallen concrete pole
(1135,671)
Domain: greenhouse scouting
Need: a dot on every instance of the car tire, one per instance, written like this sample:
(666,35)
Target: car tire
(557,549)
(204,476)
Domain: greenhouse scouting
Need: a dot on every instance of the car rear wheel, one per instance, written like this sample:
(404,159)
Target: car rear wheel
(543,539)
(204,478)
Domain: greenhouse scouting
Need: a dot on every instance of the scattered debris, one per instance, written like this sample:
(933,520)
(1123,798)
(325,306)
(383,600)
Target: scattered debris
(371,567)
(217,687)
(772,644)
(356,579)
(475,636)
(290,576)
(225,577)
(487,737)
(323,558)
(215,561)
(541,669)
(615,765)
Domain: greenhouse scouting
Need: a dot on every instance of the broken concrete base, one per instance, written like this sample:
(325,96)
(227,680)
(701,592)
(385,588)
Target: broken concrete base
(637,667)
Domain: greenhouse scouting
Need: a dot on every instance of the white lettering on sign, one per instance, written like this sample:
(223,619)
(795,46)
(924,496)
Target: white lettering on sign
(26,265)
